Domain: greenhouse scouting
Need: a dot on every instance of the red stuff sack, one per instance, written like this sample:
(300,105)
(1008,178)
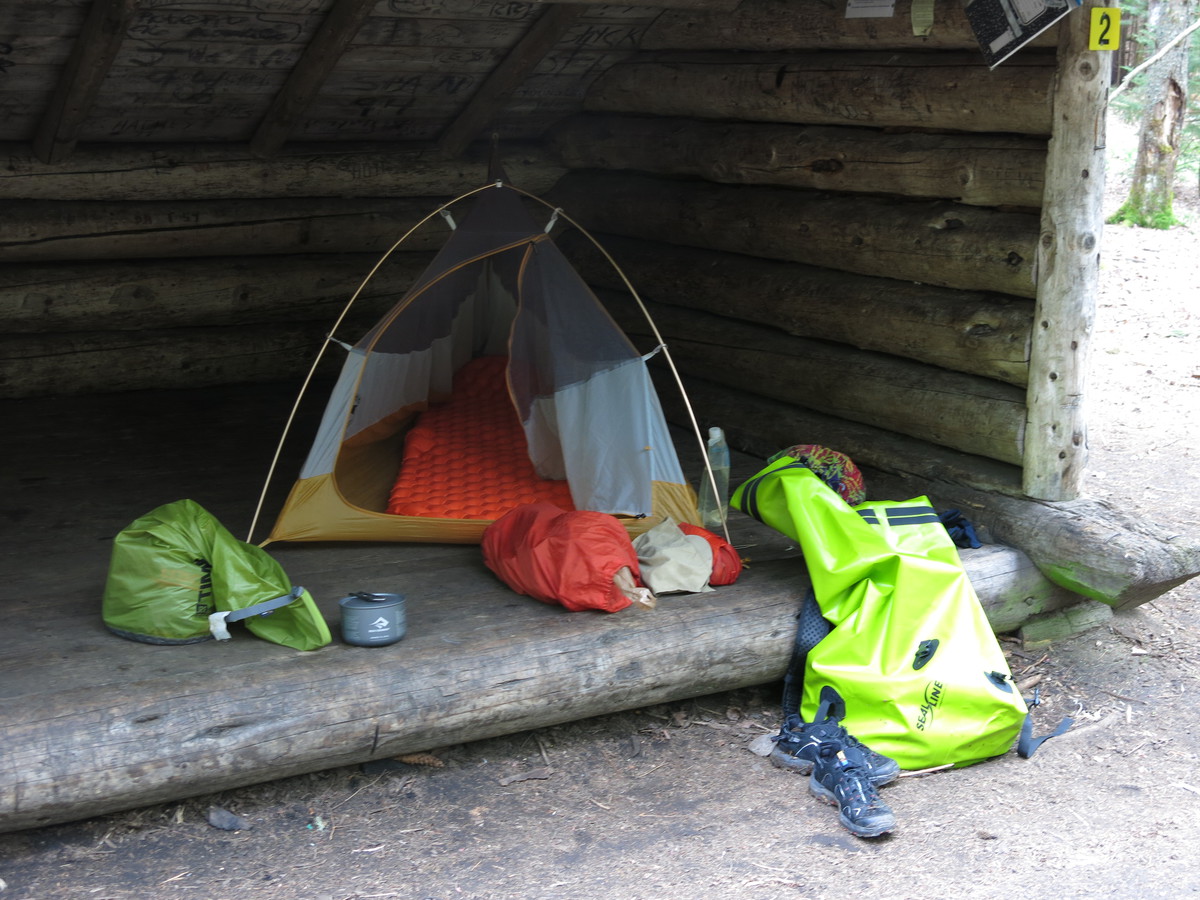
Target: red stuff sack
(555,556)
(727,565)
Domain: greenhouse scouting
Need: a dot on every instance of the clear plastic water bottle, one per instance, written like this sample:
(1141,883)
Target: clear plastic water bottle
(712,506)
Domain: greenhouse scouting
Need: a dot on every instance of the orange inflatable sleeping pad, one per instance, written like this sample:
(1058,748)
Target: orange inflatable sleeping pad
(466,458)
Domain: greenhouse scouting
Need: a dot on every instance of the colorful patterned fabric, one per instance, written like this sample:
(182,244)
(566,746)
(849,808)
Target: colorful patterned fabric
(835,469)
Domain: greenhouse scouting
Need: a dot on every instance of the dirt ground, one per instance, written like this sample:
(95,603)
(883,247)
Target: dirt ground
(668,802)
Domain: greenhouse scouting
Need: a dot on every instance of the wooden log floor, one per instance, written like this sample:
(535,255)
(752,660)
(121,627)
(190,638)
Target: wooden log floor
(92,723)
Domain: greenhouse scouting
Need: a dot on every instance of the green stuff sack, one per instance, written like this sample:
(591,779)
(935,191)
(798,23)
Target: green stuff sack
(177,576)
(911,651)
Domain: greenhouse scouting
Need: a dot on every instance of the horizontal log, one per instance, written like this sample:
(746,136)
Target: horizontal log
(57,16)
(205,89)
(931,242)
(982,170)
(477,662)
(51,365)
(396,107)
(415,46)
(512,664)
(382,113)
(962,412)
(1086,547)
(164,120)
(406,55)
(762,427)
(692,5)
(134,172)
(964,331)
(245,23)
(191,85)
(902,90)
(1010,587)
(472,61)
(287,23)
(174,293)
(36,230)
(336,119)
(1042,630)
(810,25)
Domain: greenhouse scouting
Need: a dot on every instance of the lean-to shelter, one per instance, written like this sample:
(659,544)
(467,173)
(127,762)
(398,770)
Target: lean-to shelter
(850,231)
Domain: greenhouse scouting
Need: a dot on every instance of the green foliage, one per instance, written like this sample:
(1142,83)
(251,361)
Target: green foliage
(1145,210)
(1128,215)
(1131,105)
(1189,150)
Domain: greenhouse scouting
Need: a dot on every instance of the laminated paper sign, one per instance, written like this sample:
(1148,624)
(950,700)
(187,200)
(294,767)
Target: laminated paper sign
(1004,26)
(870,9)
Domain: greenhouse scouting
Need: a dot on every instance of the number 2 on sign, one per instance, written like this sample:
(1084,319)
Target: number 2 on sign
(1106,29)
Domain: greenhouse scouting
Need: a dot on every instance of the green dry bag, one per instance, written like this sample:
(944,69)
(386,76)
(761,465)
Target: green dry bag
(911,651)
(177,576)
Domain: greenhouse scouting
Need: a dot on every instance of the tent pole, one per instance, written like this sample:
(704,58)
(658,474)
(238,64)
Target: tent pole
(712,479)
(262,497)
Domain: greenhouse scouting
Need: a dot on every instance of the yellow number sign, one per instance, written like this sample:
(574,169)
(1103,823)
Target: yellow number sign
(1106,29)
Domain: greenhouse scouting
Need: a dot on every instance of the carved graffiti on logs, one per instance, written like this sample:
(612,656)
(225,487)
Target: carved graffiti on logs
(209,26)
(481,9)
(609,36)
(251,6)
(148,54)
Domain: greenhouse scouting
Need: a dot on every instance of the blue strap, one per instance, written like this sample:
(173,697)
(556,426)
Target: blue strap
(811,628)
(266,607)
(962,532)
(1027,743)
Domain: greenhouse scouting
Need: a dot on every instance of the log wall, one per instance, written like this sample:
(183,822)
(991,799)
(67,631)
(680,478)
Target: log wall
(110,280)
(849,218)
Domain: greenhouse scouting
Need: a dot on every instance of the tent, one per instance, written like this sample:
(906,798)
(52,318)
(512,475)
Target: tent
(498,337)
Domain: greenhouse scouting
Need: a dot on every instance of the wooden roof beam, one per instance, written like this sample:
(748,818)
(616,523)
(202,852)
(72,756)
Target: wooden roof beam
(342,23)
(85,70)
(539,40)
(711,5)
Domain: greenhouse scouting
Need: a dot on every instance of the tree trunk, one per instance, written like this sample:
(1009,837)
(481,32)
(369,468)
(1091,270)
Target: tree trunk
(1165,96)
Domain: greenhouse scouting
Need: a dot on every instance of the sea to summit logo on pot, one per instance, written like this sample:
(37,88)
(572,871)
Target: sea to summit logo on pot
(934,691)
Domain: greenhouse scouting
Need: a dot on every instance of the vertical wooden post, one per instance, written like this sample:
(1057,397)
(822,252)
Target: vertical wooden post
(1068,264)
